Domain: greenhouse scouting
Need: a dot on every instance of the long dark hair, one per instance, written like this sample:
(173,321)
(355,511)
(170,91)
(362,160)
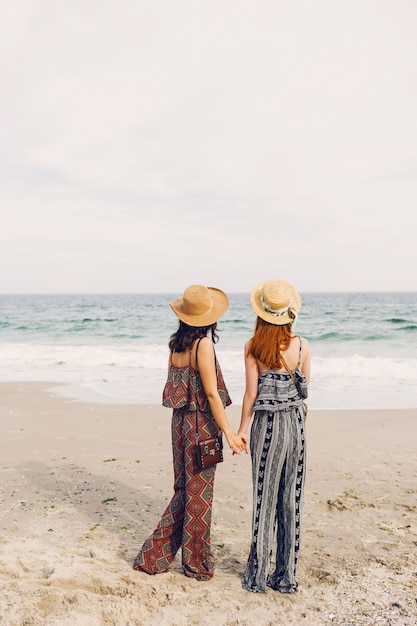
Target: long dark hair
(185,336)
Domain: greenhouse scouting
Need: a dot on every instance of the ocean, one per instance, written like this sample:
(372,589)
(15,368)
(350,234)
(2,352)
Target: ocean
(113,347)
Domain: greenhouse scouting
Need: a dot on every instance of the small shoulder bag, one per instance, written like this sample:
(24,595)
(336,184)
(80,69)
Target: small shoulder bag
(210,451)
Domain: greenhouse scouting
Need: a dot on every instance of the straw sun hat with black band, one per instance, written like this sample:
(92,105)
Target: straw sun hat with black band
(200,306)
(276,302)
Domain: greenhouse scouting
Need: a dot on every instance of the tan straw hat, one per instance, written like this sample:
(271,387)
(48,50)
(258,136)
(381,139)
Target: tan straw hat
(276,302)
(200,306)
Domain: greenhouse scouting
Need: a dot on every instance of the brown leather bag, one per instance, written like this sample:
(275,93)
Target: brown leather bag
(210,452)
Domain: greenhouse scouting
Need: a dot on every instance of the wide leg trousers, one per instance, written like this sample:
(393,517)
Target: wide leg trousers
(278,458)
(186,521)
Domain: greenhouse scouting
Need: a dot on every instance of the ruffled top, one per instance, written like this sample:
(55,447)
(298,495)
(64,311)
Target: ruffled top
(276,391)
(184,389)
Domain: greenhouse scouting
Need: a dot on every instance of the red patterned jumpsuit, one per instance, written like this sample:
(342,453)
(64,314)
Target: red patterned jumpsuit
(187,519)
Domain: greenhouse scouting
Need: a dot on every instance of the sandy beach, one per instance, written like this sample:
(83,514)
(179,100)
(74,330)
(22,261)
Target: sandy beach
(82,485)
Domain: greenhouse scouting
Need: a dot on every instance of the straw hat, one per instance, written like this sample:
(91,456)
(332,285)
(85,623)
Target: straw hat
(200,306)
(276,302)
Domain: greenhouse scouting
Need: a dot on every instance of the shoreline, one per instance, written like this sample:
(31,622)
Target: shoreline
(79,392)
(83,484)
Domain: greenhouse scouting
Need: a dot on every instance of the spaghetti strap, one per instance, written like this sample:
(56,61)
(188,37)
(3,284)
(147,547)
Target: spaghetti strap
(299,353)
(196,353)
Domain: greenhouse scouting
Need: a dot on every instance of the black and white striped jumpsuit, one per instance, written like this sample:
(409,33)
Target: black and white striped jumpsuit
(278,448)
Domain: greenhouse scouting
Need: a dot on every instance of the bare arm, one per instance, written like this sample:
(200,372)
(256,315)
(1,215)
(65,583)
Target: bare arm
(305,364)
(251,390)
(207,369)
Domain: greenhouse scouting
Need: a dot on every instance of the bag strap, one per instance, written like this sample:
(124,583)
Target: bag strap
(292,375)
(196,404)
(196,353)
(288,370)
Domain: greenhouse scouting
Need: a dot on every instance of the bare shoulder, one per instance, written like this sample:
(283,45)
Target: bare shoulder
(205,347)
(305,345)
(202,353)
(247,347)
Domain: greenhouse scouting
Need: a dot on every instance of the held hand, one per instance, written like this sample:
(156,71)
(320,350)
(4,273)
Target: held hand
(245,442)
(236,442)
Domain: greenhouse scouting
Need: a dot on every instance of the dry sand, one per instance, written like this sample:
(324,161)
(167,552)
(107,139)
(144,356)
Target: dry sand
(82,485)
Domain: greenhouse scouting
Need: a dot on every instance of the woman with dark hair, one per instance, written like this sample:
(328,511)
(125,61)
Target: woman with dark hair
(196,392)
(277,365)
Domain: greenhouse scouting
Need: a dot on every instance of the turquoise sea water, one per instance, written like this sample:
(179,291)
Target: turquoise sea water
(113,348)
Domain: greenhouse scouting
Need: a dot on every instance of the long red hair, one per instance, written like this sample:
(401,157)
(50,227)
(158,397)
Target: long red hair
(268,341)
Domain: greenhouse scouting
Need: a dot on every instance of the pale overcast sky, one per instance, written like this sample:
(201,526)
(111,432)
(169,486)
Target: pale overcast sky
(148,145)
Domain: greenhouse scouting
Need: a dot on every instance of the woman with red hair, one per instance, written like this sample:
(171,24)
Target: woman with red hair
(277,365)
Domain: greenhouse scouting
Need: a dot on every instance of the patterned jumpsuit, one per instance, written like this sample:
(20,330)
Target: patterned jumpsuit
(277,447)
(187,519)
